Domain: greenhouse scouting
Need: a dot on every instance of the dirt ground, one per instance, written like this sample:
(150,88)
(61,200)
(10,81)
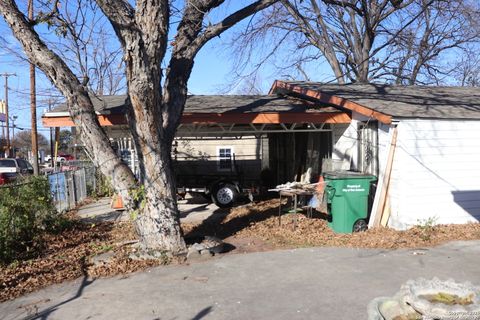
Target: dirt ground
(249,228)
(257,225)
(68,255)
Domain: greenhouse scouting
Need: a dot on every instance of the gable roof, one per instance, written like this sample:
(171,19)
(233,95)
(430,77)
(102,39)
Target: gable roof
(213,104)
(240,109)
(385,102)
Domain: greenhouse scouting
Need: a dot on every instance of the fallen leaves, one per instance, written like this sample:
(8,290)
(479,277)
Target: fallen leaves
(252,227)
(260,220)
(67,257)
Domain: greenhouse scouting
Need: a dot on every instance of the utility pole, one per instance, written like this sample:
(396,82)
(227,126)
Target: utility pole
(6,75)
(51,137)
(13,154)
(2,111)
(33,104)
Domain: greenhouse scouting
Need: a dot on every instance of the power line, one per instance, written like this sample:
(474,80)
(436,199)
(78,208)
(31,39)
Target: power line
(44,94)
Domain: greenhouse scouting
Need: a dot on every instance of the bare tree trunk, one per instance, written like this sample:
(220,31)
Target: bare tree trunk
(159,224)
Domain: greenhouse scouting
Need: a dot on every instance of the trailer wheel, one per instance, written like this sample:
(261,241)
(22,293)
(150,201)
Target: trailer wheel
(224,195)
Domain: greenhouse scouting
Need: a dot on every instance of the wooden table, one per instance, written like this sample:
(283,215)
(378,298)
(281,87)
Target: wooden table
(293,194)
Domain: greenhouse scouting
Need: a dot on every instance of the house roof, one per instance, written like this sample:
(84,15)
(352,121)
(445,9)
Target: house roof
(240,109)
(391,101)
(214,104)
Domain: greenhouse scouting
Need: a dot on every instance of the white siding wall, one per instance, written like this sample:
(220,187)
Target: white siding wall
(345,144)
(436,172)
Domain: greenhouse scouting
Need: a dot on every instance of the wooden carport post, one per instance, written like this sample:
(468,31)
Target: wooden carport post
(57,142)
(378,207)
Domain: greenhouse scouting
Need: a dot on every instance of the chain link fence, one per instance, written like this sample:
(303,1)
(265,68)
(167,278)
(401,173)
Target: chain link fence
(71,187)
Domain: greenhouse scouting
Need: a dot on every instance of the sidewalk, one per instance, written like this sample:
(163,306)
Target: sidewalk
(311,283)
(101,210)
(190,211)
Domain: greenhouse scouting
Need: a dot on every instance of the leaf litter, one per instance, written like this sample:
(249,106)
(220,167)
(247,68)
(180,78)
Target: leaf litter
(252,227)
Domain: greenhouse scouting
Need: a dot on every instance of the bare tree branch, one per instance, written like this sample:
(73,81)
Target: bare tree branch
(119,12)
(80,104)
(189,40)
(215,30)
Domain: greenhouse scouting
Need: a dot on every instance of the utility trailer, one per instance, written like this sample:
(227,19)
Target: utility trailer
(224,188)
(221,179)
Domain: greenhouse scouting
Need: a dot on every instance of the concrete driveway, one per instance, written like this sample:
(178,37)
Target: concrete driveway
(192,210)
(311,283)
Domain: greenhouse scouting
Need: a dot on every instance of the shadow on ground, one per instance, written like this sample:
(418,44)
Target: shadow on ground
(45,314)
(106,217)
(225,225)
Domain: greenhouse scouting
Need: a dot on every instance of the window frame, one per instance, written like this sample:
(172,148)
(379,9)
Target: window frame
(220,158)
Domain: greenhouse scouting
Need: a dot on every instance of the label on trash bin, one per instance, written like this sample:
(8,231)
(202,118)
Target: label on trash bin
(354,188)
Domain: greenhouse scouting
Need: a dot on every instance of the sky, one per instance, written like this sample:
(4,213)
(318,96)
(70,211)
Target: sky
(211,73)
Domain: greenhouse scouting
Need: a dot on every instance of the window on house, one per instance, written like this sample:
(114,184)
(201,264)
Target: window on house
(224,158)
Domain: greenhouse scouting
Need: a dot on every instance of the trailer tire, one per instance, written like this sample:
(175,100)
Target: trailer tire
(224,194)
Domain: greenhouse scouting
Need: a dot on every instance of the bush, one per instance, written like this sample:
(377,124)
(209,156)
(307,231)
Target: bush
(26,211)
(104,187)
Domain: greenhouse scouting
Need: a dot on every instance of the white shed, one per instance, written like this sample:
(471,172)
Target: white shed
(435,171)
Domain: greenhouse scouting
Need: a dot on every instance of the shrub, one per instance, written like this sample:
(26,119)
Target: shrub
(26,211)
(104,187)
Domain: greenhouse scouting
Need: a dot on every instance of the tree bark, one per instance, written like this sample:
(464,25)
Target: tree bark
(159,224)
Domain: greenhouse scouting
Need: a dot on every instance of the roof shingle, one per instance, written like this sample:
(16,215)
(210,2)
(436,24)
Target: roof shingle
(405,101)
(212,104)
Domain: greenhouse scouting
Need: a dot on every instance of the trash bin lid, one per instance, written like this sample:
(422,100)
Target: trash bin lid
(347,175)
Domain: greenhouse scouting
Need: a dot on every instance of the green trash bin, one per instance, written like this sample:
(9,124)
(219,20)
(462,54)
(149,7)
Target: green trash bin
(348,195)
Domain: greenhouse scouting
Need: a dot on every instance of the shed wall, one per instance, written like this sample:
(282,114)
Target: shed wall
(200,157)
(435,174)
(345,144)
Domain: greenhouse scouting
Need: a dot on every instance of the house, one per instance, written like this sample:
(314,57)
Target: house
(434,171)
(422,142)
(259,140)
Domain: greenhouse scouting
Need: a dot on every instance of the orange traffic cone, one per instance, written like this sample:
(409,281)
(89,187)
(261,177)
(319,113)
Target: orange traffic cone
(117,202)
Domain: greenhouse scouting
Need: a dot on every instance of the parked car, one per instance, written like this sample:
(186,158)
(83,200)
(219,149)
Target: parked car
(12,168)
(66,156)
(59,158)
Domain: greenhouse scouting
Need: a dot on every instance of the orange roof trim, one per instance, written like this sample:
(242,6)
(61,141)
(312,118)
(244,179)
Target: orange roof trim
(279,86)
(211,118)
